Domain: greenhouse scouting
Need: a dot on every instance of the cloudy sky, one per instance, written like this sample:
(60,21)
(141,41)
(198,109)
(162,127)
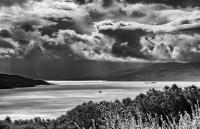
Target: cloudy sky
(65,38)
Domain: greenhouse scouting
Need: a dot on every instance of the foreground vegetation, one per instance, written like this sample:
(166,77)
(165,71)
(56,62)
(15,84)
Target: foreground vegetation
(173,108)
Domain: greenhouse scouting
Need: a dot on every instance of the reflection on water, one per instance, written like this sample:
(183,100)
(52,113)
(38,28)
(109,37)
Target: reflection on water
(52,101)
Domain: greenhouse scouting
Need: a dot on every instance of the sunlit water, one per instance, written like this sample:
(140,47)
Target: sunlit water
(53,101)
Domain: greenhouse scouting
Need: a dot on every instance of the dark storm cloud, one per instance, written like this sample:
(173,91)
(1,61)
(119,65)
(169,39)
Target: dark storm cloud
(127,42)
(7,48)
(69,43)
(5,33)
(11,2)
(14,2)
(61,23)
(6,44)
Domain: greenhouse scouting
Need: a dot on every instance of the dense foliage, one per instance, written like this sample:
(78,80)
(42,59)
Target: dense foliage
(150,109)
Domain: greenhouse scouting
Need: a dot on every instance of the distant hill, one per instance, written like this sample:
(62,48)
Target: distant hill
(160,72)
(155,72)
(15,81)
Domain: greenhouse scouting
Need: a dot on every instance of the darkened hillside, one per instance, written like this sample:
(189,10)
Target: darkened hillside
(14,81)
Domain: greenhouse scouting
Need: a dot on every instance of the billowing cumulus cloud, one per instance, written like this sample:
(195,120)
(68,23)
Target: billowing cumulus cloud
(166,42)
(111,30)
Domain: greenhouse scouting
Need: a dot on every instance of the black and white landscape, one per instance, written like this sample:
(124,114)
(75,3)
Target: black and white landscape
(121,64)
